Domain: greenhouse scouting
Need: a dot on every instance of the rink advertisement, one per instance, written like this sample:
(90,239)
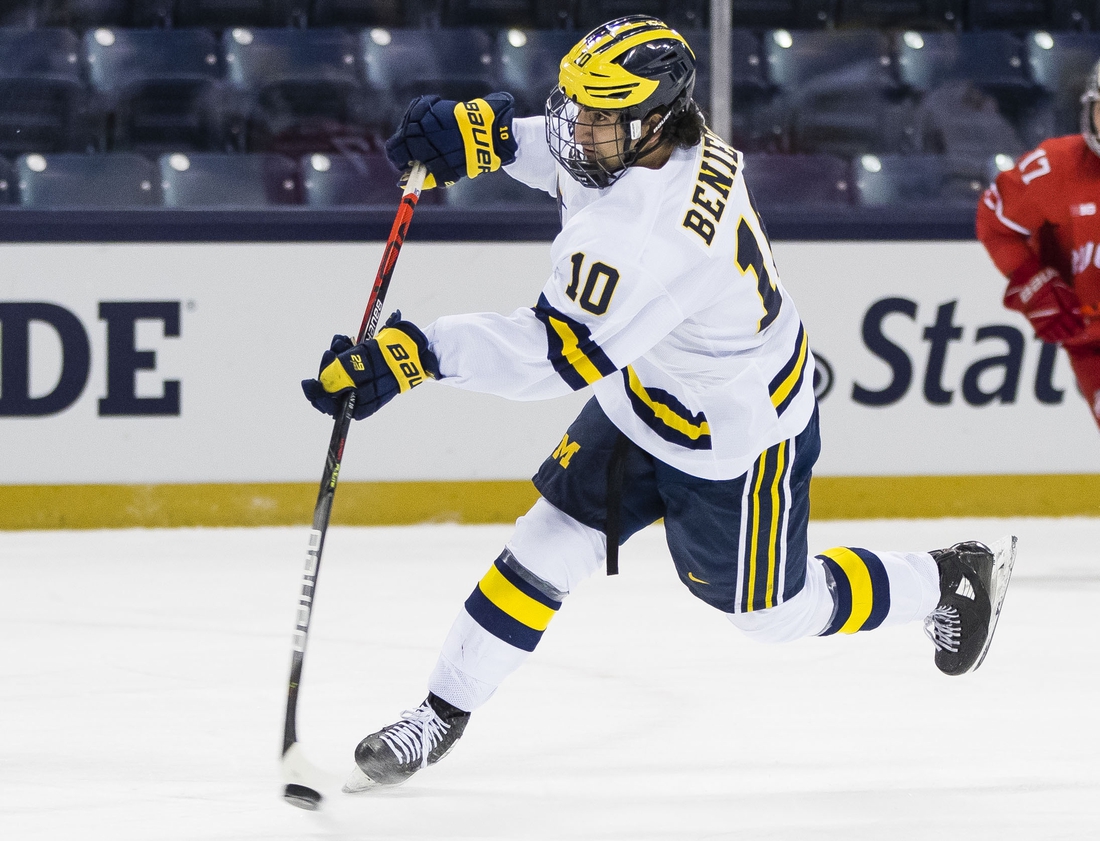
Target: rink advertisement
(179,365)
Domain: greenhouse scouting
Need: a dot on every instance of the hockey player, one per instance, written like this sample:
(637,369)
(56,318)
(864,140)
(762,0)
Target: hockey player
(1040,224)
(665,300)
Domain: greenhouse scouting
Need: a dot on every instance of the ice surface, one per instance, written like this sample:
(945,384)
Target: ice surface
(145,681)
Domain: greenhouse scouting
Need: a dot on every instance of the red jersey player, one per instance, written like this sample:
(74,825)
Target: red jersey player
(1041,225)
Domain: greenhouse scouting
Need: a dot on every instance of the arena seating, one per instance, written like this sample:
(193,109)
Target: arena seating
(529,63)
(158,90)
(1059,62)
(918,181)
(43,98)
(486,192)
(350,179)
(73,179)
(211,179)
(400,64)
(818,182)
(269,93)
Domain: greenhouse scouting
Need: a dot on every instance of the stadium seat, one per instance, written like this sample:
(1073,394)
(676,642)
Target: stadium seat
(8,189)
(209,179)
(759,121)
(678,14)
(748,69)
(810,181)
(809,63)
(400,64)
(850,125)
(81,14)
(81,180)
(1074,15)
(19,15)
(993,63)
(965,124)
(162,88)
(529,14)
(902,14)
(1060,63)
(221,14)
(365,13)
(339,180)
(783,14)
(495,190)
(990,60)
(840,91)
(916,181)
(300,88)
(43,100)
(529,61)
(1014,15)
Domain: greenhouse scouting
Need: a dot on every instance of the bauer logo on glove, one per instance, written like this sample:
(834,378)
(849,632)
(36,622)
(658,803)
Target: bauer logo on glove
(377,370)
(455,139)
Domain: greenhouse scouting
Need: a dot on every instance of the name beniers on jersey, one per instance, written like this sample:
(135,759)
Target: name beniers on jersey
(717,169)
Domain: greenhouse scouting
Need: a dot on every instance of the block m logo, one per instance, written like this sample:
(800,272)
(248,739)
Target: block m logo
(565,451)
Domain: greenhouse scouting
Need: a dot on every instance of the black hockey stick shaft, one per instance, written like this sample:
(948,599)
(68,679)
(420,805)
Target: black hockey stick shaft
(327,492)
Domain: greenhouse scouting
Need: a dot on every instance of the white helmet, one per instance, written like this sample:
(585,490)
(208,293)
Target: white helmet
(1089,129)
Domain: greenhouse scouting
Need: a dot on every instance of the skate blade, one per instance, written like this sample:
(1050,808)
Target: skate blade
(1004,558)
(359,782)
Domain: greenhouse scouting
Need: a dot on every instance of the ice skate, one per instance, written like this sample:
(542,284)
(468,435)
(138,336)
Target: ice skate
(973,581)
(421,738)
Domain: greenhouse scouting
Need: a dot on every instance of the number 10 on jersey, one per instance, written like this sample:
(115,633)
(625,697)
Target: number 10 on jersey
(599,285)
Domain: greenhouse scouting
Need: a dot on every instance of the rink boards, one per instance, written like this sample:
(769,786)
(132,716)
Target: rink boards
(157,384)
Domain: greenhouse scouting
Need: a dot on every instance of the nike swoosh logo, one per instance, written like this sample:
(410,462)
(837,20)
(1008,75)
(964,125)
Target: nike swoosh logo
(692,577)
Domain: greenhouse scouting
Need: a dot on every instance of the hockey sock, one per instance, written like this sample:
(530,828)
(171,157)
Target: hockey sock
(874,589)
(501,623)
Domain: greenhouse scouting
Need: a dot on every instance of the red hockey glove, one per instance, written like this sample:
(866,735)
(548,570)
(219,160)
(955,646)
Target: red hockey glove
(1049,303)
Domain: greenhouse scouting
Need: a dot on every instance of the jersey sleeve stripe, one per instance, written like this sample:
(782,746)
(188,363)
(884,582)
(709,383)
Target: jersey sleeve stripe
(786,384)
(995,203)
(577,358)
(666,415)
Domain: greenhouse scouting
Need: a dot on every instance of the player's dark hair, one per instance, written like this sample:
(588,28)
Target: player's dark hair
(686,129)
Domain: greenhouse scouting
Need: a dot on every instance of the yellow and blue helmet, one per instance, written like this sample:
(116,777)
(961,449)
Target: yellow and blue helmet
(632,67)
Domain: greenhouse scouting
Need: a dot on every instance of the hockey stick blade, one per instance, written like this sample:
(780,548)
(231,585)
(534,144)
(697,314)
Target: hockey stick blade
(301,778)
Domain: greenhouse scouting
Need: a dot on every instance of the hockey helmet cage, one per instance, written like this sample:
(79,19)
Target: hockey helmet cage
(1089,129)
(631,66)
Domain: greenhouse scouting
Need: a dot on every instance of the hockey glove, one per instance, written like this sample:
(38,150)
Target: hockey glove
(1049,303)
(455,139)
(379,369)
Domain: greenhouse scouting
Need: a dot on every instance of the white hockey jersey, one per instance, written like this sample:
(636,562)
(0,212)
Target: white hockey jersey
(665,299)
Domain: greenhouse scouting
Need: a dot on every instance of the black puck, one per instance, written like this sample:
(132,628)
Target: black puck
(303,797)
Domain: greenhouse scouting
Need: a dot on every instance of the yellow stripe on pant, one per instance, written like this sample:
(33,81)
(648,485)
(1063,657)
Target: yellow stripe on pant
(766,509)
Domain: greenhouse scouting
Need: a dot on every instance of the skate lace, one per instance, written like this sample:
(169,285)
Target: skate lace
(416,735)
(944,628)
